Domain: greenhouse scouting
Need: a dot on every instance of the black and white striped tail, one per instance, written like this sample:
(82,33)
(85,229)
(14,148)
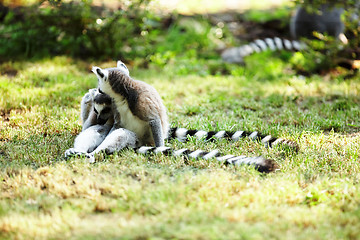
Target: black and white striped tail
(183,134)
(236,54)
(260,163)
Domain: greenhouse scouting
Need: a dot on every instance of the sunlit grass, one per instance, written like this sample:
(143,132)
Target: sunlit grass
(315,195)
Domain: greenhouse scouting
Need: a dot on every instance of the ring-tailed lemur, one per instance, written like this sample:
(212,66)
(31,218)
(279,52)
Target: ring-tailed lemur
(139,115)
(93,102)
(120,138)
(97,138)
(302,24)
(97,119)
(137,106)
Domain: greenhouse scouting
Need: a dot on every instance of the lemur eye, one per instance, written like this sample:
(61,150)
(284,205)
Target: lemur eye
(96,111)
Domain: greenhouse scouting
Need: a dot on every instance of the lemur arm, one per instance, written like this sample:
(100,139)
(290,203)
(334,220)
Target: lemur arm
(117,119)
(88,116)
(156,130)
(90,121)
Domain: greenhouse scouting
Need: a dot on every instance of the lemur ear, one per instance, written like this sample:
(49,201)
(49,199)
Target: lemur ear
(120,64)
(98,71)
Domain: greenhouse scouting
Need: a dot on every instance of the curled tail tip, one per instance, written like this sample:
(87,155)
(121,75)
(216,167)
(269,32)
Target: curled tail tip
(267,166)
(260,163)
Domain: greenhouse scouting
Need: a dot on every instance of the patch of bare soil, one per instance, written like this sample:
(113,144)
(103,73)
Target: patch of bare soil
(5,113)
(8,71)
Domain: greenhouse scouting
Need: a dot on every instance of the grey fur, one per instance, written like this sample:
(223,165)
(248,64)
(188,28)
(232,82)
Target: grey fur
(91,101)
(88,116)
(324,20)
(116,140)
(97,123)
(155,126)
(88,140)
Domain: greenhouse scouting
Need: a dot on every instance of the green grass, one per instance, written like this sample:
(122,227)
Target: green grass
(316,195)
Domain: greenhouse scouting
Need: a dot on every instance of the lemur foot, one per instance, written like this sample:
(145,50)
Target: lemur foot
(71,152)
(90,157)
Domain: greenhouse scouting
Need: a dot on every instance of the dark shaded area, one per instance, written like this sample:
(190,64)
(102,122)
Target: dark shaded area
(247,30)
(73,28)
(82,30)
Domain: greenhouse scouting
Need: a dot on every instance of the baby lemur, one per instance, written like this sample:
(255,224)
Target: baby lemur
(92,104)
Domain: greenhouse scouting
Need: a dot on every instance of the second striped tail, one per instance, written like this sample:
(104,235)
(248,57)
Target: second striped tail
(237,54)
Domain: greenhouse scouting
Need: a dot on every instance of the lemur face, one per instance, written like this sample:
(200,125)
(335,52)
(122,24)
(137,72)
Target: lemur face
(103,74)
(103,113)
(102,102)
(102,107)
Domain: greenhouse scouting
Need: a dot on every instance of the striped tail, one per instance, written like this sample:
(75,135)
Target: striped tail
(260,163)
(237,54)
(183,134)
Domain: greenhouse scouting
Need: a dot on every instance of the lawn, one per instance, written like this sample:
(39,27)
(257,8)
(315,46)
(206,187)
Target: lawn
(314,195)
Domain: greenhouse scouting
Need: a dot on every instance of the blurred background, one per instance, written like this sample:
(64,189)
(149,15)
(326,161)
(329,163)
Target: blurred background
(158,32)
